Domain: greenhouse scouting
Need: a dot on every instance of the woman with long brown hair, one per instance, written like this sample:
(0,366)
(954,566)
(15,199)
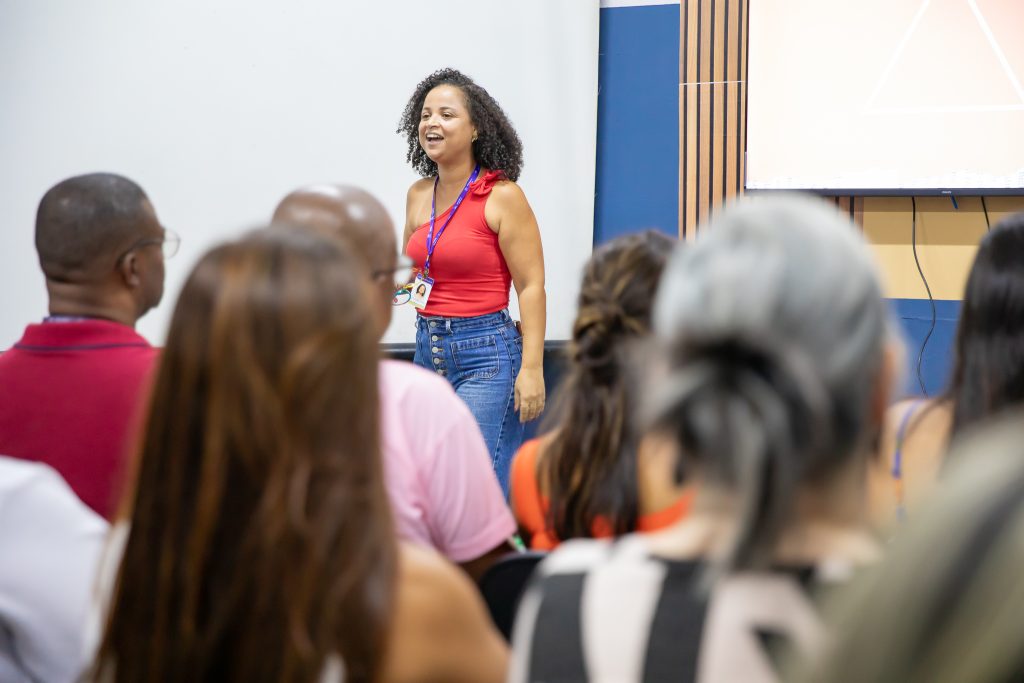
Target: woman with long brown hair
(260,545)
(592,475)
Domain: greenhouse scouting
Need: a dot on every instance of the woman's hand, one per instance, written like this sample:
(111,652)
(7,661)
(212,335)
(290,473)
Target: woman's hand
(529,393)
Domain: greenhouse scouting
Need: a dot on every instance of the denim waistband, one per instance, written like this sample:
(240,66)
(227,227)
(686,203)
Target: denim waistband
(439,322)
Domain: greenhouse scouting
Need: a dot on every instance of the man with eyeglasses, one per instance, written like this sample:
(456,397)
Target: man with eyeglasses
(72,388)
(437,467)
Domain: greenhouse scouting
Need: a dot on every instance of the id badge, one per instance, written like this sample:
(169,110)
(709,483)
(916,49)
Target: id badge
(421,287)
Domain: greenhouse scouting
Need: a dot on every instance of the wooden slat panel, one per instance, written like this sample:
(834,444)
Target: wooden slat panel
(741,48)
(690,188)
(712,107)
(713,69)
(704,94)
(731,150)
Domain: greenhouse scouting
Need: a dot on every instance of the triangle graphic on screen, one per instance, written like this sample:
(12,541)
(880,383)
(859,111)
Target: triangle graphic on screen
(948,60)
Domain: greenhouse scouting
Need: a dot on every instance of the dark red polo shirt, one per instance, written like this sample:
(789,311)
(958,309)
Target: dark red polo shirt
(72,395)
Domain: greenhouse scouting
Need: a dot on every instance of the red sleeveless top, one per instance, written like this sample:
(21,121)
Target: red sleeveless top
(469,271)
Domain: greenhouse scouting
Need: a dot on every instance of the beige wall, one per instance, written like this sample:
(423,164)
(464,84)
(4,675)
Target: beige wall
(947,239)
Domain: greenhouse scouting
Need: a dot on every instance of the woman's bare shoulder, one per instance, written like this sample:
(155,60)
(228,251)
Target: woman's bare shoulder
(438,615)
(419,187)
(934,414)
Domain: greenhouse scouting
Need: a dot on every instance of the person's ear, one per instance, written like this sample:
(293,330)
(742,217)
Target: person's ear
(129,271)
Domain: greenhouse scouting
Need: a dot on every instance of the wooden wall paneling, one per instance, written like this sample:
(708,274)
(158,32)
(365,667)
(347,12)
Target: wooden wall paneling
(712,107)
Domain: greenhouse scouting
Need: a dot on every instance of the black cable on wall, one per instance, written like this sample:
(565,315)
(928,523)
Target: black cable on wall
(927,288)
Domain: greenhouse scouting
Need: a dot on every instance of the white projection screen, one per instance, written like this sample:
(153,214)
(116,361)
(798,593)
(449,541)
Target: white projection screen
(886,96)
(218,109)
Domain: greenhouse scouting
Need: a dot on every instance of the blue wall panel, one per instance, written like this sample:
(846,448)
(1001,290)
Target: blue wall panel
(915,317)
(637,181)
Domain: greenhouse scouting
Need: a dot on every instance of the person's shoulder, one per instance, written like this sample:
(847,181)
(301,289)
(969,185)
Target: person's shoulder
(424,574)
(420,186)
(505,191)
(36,491)
(17,474)
(577,556)
(438,614)
(907,415)
(432,591)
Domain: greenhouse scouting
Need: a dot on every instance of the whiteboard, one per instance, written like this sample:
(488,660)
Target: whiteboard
(886,96)
(218,109)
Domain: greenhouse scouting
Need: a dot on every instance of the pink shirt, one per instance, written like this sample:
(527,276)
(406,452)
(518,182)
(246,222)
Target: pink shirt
(437,467)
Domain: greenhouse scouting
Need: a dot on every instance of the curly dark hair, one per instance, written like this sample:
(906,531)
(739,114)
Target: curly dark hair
(497,146)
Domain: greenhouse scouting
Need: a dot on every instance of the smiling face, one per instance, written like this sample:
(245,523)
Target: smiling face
(446,131)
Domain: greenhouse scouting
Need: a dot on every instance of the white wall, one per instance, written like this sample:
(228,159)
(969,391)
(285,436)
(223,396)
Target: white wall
(218,109)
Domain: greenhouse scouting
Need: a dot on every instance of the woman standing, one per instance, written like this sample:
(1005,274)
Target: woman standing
(472,235)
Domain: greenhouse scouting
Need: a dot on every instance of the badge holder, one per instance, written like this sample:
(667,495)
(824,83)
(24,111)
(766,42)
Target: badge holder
(420,292)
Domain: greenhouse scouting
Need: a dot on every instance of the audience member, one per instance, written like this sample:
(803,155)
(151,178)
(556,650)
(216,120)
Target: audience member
(50,545)
(437,467)
(71,387)
(260,544)
(947,604)
(591,476)
(988,377)
(773,376)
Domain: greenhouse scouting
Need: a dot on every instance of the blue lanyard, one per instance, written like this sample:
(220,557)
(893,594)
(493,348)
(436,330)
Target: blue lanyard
(431,238)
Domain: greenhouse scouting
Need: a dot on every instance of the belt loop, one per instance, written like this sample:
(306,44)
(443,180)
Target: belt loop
(448,325)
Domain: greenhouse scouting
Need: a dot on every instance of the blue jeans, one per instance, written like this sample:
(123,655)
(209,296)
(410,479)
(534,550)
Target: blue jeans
(480,357)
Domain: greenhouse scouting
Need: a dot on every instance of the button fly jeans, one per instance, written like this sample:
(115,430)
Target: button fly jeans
(480,357)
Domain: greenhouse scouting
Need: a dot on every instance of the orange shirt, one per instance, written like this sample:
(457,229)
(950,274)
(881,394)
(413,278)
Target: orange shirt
(530,506)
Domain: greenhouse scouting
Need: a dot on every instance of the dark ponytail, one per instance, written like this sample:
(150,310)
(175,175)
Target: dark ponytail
(753,417)
(589,468)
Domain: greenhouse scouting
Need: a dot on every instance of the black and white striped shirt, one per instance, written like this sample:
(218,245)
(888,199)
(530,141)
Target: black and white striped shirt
(611,612)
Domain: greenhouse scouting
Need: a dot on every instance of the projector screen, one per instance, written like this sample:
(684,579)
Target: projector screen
(218,109)
(886,96)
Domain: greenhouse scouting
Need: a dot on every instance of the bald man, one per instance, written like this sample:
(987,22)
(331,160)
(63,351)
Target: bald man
(437,467)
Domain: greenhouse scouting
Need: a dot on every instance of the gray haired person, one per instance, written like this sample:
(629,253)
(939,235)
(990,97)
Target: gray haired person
(775,356)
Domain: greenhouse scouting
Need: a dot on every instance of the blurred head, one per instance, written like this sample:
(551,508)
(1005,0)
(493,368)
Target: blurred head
(99,242)
(260,538)
(946,605)
(449,116)
(775,374)
(988,374)
(360,220)
(590,465)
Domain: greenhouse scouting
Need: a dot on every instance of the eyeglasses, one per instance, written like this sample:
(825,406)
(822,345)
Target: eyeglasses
(169,244)
(399,274)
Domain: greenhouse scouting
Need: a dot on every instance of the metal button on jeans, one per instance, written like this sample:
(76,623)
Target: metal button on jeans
(433,337)
(437,361)
(435,350)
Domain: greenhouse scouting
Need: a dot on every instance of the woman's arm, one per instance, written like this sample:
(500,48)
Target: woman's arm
(510,215)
